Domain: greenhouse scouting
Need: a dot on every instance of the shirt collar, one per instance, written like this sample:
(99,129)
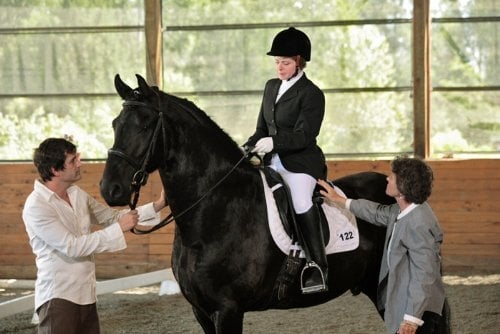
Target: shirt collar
(286,84)
(407,210)
(42,189)
(46,193)
(290,82)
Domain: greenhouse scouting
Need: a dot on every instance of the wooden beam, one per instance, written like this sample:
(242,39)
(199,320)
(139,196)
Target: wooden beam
(154,39)
(421,78)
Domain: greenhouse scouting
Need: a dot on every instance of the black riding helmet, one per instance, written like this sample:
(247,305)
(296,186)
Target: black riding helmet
(291,42)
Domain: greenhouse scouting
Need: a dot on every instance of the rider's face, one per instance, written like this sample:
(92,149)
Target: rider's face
(285,67)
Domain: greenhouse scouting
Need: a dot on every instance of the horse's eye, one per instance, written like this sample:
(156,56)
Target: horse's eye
(144,128)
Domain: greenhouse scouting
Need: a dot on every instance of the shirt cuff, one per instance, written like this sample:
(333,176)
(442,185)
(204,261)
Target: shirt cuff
(348,203)
(413,319)
(115,239)
(147,215)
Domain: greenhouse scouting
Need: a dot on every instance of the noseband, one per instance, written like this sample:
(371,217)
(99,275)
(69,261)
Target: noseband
(140,177)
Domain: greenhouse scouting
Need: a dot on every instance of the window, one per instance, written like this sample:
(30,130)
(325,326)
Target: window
(465,105)
(361,59)
(59,59)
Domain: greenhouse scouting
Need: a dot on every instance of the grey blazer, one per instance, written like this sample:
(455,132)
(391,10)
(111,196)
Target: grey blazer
(414,282)
(294,123)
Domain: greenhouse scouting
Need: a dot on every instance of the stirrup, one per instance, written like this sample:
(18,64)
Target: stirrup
(315,288)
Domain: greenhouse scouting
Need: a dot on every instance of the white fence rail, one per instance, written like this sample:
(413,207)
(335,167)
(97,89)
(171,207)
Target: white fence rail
(27,303)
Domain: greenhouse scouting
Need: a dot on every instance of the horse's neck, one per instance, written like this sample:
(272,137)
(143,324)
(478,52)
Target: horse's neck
(191,177)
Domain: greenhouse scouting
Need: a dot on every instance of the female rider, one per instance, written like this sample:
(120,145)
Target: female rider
(289,121)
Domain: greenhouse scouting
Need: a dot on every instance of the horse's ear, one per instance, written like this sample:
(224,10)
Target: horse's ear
(142,82)
(148,91)
(123,89)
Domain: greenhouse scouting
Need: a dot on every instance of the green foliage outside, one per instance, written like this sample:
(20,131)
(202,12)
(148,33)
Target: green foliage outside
(57,71)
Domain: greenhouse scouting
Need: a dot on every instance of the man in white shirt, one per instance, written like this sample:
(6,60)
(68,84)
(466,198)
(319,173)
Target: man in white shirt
(58,216)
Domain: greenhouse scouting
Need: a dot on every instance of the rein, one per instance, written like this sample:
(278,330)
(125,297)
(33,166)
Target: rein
(140,176)
(167,220)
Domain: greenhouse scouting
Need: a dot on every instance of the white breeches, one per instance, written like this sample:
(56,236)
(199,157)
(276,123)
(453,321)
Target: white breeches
(301,185)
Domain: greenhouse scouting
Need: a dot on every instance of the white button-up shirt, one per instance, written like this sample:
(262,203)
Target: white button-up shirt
(61,238)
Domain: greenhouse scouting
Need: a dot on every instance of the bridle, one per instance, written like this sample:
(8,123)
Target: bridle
(140,176)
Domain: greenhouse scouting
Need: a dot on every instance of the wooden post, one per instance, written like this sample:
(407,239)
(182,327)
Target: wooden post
(154,39)
(421,78)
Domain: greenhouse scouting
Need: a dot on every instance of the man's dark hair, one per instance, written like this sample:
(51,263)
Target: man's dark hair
(52,154)
(413,178)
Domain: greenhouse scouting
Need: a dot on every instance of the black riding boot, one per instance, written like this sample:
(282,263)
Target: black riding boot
(314,277)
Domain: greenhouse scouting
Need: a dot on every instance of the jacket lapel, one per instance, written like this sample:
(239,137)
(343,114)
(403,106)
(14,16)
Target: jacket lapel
(293,91)
(270,95)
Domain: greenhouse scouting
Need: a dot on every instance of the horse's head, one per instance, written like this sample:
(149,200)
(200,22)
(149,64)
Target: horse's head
(137,131)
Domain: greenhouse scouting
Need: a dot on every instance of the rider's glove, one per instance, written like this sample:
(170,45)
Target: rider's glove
(264,145)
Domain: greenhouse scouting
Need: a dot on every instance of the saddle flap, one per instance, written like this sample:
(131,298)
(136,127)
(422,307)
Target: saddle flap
(342,226)
(283,199)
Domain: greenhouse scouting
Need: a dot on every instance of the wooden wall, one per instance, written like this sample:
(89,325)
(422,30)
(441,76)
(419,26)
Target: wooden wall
(144,253)
(465,199)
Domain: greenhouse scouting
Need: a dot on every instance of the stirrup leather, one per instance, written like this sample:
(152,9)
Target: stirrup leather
(316,288)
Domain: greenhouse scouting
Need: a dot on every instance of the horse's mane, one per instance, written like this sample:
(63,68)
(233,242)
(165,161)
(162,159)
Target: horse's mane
(189,112)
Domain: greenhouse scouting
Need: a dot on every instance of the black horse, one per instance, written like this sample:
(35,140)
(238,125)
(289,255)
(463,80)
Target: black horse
(224,257)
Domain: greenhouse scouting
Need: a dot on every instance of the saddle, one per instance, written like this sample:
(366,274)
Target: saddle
(283,199)
(293,264)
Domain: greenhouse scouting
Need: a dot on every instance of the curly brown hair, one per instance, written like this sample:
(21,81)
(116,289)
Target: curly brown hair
(52,154)
(413,178)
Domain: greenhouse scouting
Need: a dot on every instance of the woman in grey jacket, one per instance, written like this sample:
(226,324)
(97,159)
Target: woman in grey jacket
(289,121)
(411,293)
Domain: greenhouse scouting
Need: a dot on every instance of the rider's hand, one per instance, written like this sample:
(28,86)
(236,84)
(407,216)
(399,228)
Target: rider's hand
(129,220)
(264,145)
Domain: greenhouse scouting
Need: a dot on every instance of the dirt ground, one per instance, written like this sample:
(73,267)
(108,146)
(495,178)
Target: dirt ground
(474,301)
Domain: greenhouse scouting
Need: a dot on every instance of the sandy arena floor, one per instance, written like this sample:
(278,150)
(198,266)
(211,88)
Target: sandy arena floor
(474,301)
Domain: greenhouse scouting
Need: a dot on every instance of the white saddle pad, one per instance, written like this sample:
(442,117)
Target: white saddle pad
(344,234)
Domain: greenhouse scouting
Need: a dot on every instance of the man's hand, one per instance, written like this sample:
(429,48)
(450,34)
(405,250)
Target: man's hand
(129,220)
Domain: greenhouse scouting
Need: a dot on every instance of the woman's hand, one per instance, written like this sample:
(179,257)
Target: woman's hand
(407,327)
(264,145)
(330,194)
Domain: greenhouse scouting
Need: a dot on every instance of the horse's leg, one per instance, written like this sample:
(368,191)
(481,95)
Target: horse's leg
(204,321)
(228,321)
(221,322)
